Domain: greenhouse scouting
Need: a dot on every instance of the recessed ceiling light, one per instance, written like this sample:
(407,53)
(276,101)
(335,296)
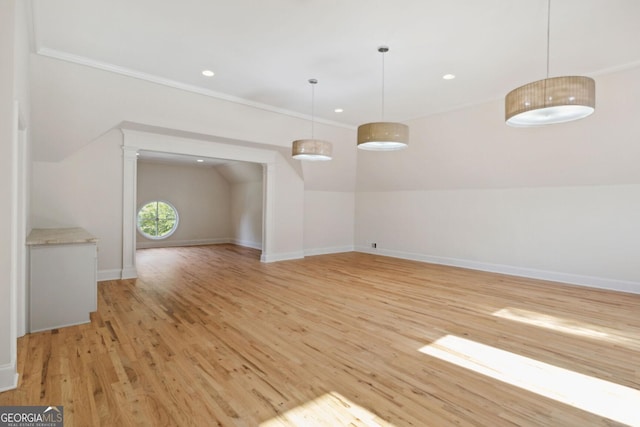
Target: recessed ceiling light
(449,76)
(199,160)
(208,73)
(338,110)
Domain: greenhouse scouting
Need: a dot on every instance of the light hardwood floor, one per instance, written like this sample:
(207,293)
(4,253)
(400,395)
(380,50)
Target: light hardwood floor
(210,336)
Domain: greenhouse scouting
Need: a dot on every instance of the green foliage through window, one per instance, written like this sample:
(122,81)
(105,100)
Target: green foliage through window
(157,220)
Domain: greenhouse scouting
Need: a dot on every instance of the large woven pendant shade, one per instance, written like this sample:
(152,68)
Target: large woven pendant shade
(383,136)
(551,100)
(311,149)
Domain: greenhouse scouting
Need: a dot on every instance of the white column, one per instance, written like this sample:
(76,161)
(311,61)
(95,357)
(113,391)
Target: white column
(8,120)
(130,170)
(268,203)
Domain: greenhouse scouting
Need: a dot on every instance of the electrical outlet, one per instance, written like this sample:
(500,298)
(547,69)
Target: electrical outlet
(374,245)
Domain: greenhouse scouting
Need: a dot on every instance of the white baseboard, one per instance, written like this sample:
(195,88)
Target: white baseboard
(82,322)
(117,274)
(8,377)
(306,252)
(326,251)
(114,274)
(281,256)
(573,279)
(176,243)
(129,273)
(246,243)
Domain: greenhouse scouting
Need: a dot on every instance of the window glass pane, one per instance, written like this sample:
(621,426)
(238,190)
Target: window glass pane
(165,226)
(148,212)
(147,227)
(165,211)
(157,220)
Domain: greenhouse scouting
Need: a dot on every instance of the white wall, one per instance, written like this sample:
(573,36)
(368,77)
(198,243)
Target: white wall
(583,235)
(7,120)
(201,196)
(246,213)
(85,190)
(23,167)
(328,222)
(288,218)
(559,202)
(14,181)
(246,182)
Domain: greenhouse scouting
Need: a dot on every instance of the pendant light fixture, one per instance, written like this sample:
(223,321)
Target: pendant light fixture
(311,149)
(552,100)
(383,136)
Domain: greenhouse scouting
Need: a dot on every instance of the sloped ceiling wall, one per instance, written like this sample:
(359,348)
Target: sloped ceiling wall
(238,172)
(473,148)
(73,105)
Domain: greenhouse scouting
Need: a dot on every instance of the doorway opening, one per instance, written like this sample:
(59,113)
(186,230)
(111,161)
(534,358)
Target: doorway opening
(229,161)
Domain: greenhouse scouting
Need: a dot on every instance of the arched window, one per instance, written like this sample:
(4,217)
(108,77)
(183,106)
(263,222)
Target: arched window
(157,220)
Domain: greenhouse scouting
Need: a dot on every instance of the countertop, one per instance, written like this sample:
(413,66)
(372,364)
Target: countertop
(59,236)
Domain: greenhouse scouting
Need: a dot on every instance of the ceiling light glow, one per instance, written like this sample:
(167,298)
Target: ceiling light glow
(338,110)
(208,73)
(449,76)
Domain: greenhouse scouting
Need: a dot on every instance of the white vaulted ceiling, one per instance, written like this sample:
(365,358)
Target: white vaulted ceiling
(263,52)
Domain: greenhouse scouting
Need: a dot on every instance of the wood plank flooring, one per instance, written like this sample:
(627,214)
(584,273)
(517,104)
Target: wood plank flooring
(209,336)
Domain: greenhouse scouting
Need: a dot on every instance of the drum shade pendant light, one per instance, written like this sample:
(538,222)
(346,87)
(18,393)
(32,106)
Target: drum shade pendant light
(383,136)
(311,149)
(552,100)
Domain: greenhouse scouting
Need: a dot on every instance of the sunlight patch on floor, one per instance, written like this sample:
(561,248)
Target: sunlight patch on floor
(590,394)
(330,409)
(568,326)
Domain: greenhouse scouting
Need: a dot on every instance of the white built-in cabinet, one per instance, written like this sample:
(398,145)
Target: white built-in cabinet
(63,279)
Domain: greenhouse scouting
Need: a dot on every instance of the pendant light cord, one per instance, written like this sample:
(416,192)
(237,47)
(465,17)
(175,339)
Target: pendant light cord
(382,108)
(383,50)
(313,92)
(548,33)
(546,99)
(313,82)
